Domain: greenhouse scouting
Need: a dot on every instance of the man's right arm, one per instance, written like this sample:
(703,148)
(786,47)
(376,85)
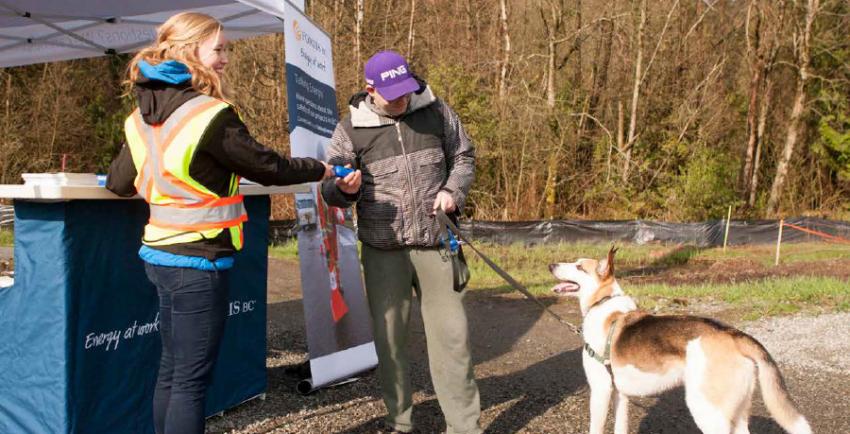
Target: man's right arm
(340,153)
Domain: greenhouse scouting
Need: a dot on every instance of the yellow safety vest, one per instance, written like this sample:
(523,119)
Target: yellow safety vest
(181,209)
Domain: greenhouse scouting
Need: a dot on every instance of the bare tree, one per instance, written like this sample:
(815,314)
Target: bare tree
(552,25)
(506,49)
(756,74)
(760,141)
(599,81)
(640,76)
(410,30)
(761,128)
(358,31)
(336,18)
(577,43)
(802,41)
(635,90)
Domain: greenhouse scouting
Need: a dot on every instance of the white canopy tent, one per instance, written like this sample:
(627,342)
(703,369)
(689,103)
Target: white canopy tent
(36,31)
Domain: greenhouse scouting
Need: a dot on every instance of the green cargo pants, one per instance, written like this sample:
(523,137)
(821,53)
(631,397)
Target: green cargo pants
(390,275)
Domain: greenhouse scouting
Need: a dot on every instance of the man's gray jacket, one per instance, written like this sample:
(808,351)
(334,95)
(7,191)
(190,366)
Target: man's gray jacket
(405,162)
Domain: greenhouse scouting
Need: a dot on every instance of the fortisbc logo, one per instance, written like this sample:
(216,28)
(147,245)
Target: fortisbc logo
(297,30)
(393,73)
(302,36)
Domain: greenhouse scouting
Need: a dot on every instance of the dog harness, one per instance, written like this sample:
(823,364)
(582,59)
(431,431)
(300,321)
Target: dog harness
(605,357)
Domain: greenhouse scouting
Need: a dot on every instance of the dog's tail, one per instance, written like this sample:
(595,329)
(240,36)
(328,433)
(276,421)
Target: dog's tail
(773,389)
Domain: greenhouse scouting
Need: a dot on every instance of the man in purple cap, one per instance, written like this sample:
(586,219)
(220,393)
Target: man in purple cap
(415,158)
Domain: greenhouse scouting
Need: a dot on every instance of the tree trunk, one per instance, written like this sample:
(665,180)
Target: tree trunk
(506,49)
(788,150)
(764,110)
(358,31)
(796,112)
(599,81)
(760,142)
(600,70)
(550,70)
(469,26)
(583,150)
(635,91)
(410,31)
(552,164)
(336,20)
(753,52)
(578,79)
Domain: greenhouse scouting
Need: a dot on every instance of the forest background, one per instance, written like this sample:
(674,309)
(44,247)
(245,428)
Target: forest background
(591,109)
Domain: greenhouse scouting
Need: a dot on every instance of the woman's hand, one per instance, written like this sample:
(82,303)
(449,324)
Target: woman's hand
(351,183)
(329,171)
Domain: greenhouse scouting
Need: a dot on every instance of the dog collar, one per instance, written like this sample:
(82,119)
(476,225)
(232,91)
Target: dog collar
(603,300)
(605,358)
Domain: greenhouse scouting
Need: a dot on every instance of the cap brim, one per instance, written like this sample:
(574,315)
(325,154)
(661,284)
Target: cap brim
(399,89)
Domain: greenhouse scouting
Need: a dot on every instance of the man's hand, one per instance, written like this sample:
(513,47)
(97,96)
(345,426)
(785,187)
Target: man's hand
(351,183)
(444,201)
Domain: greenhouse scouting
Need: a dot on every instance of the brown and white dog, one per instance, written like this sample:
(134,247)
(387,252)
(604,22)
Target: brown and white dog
(648,354)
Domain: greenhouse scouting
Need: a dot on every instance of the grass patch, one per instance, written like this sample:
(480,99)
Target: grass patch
(7,238)
(790,252)
(778,296)
(752,299)
(756,299)
(287,250)
(529,263)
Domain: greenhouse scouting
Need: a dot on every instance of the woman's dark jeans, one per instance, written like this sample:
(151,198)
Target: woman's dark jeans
(192,311)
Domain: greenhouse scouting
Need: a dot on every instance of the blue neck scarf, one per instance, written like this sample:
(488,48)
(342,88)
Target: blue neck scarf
(170,71)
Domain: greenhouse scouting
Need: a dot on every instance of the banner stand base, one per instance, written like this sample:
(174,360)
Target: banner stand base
(305,386)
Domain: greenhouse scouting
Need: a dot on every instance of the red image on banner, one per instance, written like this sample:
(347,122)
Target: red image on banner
(329,217)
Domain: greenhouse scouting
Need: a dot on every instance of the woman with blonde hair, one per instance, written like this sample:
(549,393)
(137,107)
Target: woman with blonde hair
(186,149)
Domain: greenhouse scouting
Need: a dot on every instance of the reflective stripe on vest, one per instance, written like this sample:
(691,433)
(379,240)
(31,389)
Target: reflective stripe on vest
(162,154)
(221,213)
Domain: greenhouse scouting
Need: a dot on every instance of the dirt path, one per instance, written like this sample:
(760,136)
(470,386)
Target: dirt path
(529,373)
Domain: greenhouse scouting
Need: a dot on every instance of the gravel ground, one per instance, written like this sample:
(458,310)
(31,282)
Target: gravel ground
(529,372)
(807,342)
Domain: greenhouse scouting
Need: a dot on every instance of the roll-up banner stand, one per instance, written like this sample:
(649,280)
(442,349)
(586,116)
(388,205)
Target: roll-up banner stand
(339,337)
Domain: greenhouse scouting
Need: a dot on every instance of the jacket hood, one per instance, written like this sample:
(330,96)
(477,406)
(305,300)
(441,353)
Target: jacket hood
(158,99)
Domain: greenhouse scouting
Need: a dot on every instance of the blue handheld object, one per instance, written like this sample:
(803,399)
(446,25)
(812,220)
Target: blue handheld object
(342,172)
(453,244)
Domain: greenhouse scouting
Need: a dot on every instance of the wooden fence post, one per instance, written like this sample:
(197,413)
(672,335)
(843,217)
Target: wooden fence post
(726,233)
(779,241)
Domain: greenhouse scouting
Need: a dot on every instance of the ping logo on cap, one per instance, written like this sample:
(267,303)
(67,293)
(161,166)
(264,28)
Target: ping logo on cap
(393,73)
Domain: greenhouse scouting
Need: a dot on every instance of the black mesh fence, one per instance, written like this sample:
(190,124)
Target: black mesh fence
(702,234)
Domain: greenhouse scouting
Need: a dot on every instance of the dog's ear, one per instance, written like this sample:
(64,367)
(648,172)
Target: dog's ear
(606,266)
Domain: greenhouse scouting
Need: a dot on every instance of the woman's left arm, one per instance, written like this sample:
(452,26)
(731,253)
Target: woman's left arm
(122,174)
(233,147)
